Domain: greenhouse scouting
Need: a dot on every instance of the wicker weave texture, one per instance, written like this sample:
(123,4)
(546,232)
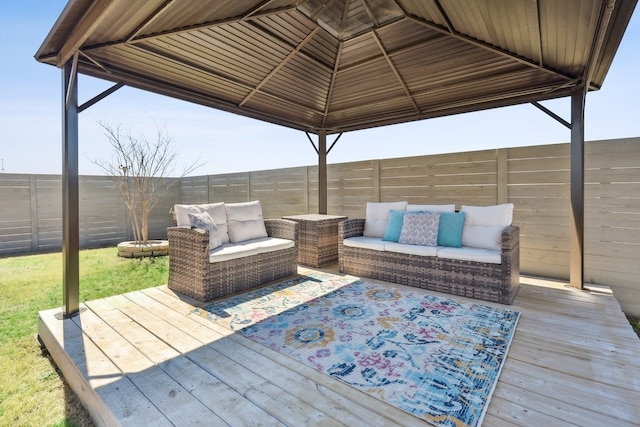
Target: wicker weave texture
(317,238)
(490,282)
(191,273)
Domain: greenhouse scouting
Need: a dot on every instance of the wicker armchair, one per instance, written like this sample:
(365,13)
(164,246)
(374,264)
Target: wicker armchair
(191,273)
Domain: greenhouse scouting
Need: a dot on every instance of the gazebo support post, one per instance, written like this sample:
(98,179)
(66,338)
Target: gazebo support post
(576,274)
(70,204)
(322,172)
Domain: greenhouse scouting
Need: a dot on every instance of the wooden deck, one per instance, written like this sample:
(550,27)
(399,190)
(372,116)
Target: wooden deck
(141,359)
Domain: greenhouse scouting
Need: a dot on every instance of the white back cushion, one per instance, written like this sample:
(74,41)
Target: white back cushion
(245,221)
(377,216)
(215,210)
(432,208)
(483,225)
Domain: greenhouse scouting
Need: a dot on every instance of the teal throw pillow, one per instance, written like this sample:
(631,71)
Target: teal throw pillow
(394,226)
(450,229)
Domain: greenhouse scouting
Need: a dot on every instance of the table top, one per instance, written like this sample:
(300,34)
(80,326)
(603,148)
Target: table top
(314,217)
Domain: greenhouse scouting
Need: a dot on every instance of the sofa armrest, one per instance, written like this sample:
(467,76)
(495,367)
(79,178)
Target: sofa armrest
(350,228)
(510,238)
(190,242)
(188,258)
(282,228)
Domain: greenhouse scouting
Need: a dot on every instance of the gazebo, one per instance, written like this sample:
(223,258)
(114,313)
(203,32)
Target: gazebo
(326,67)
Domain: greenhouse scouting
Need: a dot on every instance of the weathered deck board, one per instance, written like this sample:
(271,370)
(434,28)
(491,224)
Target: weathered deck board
(142,358)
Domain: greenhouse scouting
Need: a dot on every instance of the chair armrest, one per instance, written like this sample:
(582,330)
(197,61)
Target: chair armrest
(195,238)
(282,228)
(350,228)
(188,253)
(510,238)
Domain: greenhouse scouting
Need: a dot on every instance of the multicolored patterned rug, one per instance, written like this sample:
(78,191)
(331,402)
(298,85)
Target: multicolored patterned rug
(433,357)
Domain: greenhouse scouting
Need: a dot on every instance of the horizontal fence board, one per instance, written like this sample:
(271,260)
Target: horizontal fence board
(602,263)
(518,166)
(540,177)
(540,151)
(440,180)
(540,191)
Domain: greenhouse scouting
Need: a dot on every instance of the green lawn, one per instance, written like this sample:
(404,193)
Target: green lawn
(635,322)
(32,392)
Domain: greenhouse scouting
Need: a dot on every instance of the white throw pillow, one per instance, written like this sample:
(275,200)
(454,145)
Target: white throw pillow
(483,225)
(245,221)
(432,208)
(377,216)
(215,210)
(204,221)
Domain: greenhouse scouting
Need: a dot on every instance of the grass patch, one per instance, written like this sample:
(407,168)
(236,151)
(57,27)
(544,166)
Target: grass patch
(635,324)
(32,392)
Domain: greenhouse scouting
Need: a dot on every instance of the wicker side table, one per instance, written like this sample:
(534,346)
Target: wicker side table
(317,238)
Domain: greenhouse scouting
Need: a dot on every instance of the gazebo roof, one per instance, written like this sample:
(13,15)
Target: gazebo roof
(340,65)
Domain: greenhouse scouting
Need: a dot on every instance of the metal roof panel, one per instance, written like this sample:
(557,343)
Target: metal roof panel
(343,64)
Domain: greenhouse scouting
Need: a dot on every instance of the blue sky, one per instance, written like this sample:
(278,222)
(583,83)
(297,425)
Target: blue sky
(30,116)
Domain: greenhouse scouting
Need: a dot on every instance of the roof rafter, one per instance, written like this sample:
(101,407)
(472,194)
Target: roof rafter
(146,82)
(236,82)
(489,47)
(90,21)
(539,38)
(247,16)
(606,10)
(394,70)
(331,85)
(213,24)
(150,19)
(280,64)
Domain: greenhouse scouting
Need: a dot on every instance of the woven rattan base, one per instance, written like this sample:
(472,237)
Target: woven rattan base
(191,273)
(491,282)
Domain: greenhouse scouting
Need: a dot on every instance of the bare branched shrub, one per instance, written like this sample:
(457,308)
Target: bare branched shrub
(141,171)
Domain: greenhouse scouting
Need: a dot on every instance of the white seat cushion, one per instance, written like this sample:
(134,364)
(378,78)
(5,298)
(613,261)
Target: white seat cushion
(364,242)
(249,247)
(377,216)
(488,256)
(411,249)
(269,244)
(230,251)
(483,225)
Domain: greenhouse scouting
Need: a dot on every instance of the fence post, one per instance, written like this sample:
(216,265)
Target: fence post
(502,178)
(33,192)
(306,192)
(248,181)
(375,172)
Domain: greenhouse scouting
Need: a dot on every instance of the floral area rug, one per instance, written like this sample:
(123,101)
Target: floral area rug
(433,357)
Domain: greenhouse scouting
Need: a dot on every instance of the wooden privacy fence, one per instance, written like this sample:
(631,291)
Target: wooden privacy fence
(535,179)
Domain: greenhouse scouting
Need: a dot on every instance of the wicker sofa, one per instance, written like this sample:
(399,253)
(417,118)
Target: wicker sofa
(242,261)
(487,274)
